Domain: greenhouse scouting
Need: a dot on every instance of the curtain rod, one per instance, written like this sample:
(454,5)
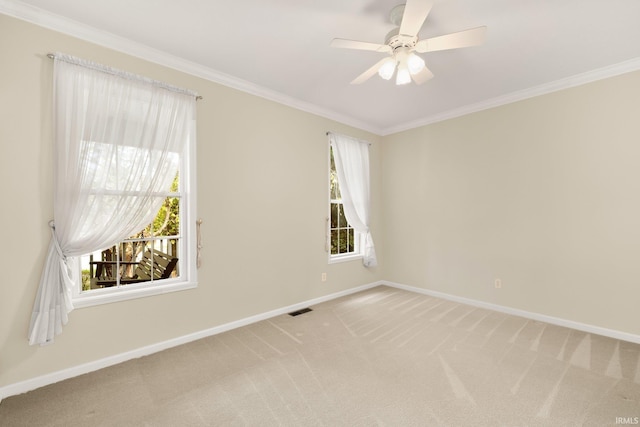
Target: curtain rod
(367,142)
(53,56)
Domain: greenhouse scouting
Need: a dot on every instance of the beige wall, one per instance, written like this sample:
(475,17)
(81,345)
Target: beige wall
(543,194)
(262,181)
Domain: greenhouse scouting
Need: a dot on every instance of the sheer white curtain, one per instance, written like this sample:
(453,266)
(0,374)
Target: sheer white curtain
(118,140)
(351,157)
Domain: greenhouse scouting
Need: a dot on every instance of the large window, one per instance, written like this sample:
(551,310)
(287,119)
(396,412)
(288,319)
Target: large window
(158,258)
(345,242)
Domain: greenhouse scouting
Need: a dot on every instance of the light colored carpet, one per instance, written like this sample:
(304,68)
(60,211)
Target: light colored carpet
(382,357)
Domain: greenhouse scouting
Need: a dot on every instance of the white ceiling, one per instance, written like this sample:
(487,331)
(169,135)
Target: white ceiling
(280,48)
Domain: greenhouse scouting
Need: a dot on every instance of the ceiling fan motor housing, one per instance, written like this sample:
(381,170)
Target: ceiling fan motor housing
(395,40)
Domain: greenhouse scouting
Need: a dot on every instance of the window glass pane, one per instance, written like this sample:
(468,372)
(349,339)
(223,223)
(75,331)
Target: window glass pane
(333,180)
(140,267)
(131,254)
(91,268)
(165,259)
(342,220)
(342,242)
(334,215)
(167,221)
(171,249)
(175,185)
(99,269)
(334,242)
(350,240)
(335,190)
(167,246)
(131,251)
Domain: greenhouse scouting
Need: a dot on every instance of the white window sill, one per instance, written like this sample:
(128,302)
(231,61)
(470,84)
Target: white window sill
(127,292)
(333,259)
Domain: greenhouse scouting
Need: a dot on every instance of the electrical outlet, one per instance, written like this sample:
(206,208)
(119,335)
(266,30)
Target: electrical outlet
(324,277)
(497,283)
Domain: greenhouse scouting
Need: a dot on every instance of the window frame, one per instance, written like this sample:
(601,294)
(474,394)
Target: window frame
(358,238)
(188,246)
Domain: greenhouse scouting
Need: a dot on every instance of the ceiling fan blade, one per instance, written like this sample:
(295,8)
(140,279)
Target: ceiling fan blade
(415,13)
(354,44)
(466,38)
(369,73)
(422,76)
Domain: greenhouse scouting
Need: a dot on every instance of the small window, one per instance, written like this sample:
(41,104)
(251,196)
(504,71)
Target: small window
(345,242)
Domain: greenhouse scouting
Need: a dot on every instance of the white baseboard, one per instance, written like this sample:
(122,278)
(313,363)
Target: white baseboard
(54,377)
(611,333)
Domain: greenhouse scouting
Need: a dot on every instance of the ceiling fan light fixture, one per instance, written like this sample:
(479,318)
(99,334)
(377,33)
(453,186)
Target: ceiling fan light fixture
(402,44)
(387,69)
(415,64)
(404,76)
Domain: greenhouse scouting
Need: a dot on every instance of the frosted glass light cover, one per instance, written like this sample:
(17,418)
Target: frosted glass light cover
(415,64)
(403,76)
(387,69)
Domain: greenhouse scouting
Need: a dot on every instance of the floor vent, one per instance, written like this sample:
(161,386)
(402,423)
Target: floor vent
(299,312)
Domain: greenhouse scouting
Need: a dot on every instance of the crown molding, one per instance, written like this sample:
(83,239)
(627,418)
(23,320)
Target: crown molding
(543,89)
(90,34)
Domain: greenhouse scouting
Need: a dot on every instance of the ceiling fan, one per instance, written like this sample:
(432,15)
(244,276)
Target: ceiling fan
(402,45)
